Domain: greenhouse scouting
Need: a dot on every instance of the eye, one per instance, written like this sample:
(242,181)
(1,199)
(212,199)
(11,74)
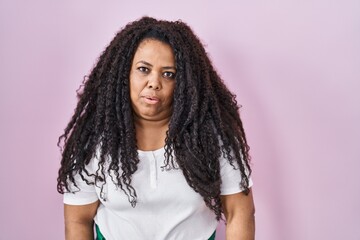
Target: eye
(143,69)
(170,75)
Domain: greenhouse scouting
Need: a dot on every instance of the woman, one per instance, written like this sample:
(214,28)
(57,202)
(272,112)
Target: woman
(156,148)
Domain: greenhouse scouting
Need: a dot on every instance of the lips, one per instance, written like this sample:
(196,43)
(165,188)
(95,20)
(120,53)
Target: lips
(151,99)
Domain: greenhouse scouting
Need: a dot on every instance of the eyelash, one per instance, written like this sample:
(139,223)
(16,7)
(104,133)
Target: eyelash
(143,69)
(146,70)
(172,75)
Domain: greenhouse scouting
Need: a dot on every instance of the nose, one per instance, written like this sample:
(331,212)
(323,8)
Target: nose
(154,82)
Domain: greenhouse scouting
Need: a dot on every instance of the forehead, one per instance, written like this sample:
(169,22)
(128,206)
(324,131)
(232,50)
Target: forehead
(153,49)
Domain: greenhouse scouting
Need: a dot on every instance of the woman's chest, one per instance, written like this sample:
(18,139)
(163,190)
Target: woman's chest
(156,188)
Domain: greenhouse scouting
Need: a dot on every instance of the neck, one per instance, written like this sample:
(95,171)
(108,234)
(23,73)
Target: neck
(151,135)
(145,124)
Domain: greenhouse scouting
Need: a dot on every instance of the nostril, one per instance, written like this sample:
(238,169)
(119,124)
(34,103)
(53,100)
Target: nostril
(153,86)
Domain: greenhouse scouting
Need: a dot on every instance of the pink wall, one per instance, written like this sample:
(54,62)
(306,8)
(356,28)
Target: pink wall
(295,66)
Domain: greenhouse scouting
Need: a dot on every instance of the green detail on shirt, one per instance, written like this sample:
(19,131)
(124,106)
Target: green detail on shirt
(99,236)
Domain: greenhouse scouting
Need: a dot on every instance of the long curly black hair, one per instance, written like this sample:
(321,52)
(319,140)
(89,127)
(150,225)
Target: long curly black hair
(204,125)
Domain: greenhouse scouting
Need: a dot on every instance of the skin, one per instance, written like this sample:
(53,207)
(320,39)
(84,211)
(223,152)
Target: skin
(152,83)
(239,212)
(79,221)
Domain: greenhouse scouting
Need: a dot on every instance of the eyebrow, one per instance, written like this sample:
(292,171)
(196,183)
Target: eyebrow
(148,64)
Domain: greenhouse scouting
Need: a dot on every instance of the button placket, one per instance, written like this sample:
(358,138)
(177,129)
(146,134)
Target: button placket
(153,171)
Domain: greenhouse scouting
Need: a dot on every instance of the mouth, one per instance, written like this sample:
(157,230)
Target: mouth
(151,99)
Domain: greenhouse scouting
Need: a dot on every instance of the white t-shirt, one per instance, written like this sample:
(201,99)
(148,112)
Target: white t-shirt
(167,207)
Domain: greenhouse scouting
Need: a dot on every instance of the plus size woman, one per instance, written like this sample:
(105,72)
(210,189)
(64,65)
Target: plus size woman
(156,148)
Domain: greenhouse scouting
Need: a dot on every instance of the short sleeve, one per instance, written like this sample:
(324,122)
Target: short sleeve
(83,193)
(230,178)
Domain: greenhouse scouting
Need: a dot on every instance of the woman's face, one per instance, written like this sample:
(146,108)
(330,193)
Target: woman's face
(152,80)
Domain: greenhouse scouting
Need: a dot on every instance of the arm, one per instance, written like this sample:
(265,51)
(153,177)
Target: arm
(239,212)
(79,221)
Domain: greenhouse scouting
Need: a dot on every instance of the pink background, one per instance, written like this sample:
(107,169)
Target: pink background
(295,66)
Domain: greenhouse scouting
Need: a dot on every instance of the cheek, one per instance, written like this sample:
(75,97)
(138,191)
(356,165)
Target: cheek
(170,93)
(135,86)
(172,89)
(133,91)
